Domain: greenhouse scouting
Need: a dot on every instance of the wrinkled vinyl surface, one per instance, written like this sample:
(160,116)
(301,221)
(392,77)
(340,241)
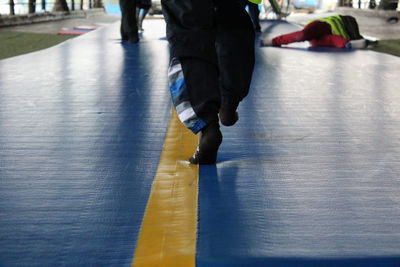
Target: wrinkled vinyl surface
(82,129)
(309,176)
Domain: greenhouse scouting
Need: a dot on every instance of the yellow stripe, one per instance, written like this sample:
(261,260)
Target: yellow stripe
(168,234)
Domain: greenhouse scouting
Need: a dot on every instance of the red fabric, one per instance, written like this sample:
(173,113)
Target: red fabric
(288,38)
(319,33)
(330,40)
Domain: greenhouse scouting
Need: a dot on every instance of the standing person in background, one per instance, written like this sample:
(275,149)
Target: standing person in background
(254,12)
(143,7)
(129,29)
(212,60)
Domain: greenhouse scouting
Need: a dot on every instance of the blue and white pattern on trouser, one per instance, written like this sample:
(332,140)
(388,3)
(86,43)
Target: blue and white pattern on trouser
(180,98)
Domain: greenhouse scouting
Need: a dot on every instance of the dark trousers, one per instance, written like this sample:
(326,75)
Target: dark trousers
(213,40)
(254,13)
(129,28)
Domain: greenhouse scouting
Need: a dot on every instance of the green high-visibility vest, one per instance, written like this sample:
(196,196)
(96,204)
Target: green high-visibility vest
(256,1)
(337,25)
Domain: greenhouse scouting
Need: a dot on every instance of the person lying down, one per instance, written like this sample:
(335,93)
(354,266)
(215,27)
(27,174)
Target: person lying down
(334,31)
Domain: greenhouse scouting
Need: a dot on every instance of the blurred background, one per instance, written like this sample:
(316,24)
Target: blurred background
(11,7)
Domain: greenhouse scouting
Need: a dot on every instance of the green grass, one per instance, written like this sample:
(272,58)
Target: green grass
(388,46)
(18,43)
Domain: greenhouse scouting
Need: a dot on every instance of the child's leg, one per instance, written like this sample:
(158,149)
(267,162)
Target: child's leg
(143,13)
(314,30)
(288,38)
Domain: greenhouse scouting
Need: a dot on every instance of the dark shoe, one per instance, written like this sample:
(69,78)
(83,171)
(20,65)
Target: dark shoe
(210,140)
(227,113)
(371,42)
(133,40)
